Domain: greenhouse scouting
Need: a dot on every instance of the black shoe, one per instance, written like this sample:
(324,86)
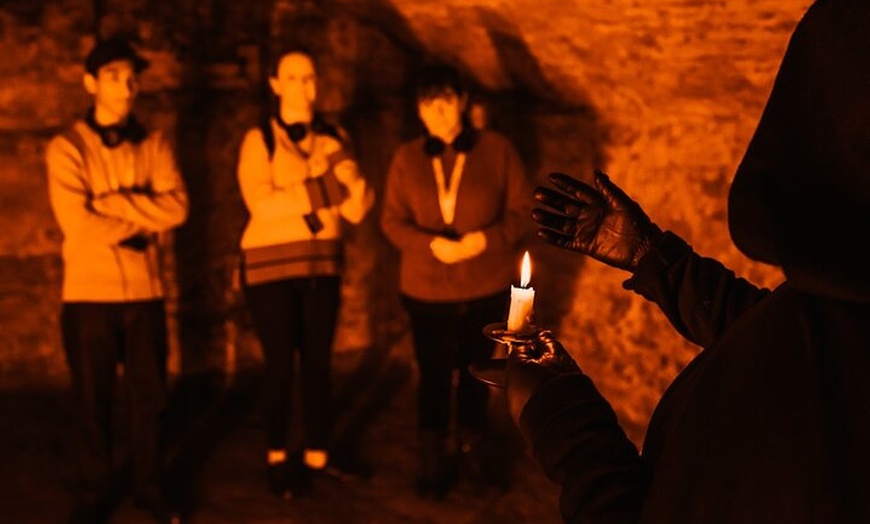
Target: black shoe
(437,468)
(161,509)
(276,476)
(289,479)
(89,512)
(487,462)
(436,478)
(436,487)
(348,468)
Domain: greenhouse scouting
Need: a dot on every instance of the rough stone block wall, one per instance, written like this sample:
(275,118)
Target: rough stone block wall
(675,88)
(39,92)
(664,96)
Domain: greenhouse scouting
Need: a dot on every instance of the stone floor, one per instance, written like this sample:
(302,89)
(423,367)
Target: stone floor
(215,441)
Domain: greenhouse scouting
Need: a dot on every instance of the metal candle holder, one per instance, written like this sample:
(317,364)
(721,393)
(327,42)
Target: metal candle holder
(491,372)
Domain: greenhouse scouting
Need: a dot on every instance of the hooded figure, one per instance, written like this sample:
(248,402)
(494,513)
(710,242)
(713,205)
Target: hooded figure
(769,422)
(802,189)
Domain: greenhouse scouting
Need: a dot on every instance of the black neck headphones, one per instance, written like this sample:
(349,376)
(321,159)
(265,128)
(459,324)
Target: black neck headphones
(297,131)
(464,141)
(131,130)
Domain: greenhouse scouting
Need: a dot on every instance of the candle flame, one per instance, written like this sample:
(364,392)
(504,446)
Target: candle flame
(526,272)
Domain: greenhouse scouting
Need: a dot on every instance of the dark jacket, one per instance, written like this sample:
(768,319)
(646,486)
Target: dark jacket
(770,423)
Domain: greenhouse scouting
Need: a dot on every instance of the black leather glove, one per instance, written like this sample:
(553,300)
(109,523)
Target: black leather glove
(601,221)
(138,242)
(531,365)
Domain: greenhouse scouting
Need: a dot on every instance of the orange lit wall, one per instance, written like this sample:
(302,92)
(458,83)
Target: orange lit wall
(662,95)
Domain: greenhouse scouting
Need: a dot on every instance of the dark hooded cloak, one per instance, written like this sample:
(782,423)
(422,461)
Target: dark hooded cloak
(801,196)
(770,423)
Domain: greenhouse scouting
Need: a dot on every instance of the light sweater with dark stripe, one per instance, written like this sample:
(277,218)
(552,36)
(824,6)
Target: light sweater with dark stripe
(281,189)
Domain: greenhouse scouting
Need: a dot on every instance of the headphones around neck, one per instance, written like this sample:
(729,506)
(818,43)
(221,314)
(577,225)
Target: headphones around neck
(297,131)
(131,130)
(464,141)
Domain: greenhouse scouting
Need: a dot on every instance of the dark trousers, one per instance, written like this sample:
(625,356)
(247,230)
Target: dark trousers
(449,336)
(96,337)
(289,315)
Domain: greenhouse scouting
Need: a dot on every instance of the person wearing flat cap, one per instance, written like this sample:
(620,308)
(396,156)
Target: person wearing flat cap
(768,423)
(114,189)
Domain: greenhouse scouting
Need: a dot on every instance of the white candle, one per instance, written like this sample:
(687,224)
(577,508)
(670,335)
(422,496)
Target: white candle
(522,300)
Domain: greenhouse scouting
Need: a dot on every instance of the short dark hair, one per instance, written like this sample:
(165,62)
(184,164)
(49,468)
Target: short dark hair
(110,50)
(435,80)
(286,49)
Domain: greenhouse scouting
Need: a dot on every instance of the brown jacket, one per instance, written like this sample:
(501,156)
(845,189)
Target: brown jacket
(494,197)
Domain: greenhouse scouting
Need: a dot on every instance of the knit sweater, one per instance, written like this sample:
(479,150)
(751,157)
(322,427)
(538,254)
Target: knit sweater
(494,197)
(101,196)
(284,191)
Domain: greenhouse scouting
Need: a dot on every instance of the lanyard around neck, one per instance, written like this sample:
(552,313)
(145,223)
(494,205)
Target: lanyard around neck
(447,195)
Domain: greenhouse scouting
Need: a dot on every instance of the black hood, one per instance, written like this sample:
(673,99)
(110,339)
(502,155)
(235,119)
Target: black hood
(801,196)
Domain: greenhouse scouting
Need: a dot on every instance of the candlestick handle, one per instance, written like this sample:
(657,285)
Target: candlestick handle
(499,332)
(491,372)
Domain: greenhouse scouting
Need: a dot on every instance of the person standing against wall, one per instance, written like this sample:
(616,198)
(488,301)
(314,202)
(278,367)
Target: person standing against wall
(455,206)
(114,187)
(302,188)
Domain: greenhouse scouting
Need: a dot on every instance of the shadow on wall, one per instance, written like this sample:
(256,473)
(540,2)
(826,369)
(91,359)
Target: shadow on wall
(219,350)
(381,116)
(210,126)
(550,135)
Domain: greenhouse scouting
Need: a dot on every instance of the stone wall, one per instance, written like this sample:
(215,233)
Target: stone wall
(663,96)
(671,92)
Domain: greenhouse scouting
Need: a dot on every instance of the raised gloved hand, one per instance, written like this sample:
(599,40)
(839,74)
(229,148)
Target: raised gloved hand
(531,365)
(601,221)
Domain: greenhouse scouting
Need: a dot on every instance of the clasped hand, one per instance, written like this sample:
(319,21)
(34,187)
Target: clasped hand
(450,251)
